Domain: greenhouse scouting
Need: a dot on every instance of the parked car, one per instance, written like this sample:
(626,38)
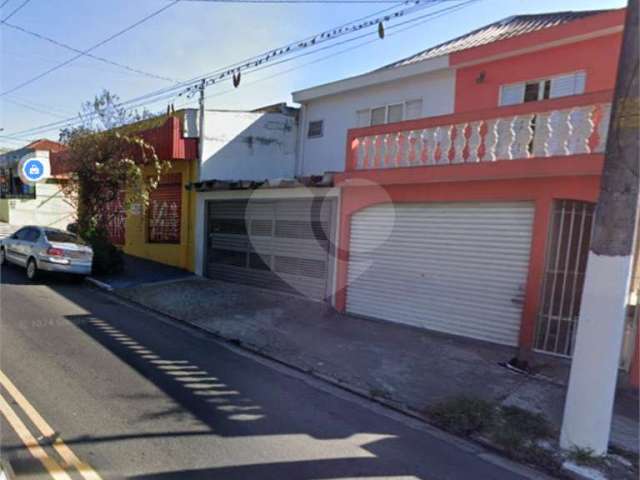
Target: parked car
(46,249)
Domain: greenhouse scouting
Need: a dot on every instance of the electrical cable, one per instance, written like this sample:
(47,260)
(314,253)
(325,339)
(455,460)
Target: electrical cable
(163,94)
(99,44)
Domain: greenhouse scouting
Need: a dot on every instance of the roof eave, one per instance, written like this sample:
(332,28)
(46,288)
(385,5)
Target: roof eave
(376,77)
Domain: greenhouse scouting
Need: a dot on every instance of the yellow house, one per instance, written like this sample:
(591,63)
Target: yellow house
(164,230)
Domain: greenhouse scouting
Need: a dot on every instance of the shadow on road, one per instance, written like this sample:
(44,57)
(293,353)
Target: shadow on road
(288,429)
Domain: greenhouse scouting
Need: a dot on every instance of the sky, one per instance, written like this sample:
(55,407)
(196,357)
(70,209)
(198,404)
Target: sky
(191,38)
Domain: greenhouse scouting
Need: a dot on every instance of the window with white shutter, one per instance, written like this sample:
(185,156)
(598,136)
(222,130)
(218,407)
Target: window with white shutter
(363,118)
(542,89)
(378,116)
(395,113)
(572,84)
(413,109)
(512,94)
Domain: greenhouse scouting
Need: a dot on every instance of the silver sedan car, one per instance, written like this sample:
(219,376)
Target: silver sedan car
(46,249)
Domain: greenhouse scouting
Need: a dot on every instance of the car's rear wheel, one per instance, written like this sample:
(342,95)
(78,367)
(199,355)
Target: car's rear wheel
(32,269)
(3,259)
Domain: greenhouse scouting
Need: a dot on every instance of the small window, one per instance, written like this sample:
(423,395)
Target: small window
(32,235)
(315,129)
(395,113)
(413,109)
(512,94)
(21,234)
(572,84)
(62,237)
(378,115)
(363,118)
(532,92)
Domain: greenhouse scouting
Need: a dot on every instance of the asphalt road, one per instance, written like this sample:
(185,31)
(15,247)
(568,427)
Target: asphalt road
(132,395)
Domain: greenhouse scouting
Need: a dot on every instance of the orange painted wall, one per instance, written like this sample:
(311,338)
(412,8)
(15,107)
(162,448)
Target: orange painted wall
(597,56)
(542,191)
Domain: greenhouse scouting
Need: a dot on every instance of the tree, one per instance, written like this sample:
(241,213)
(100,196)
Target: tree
(104,160)
(104,112)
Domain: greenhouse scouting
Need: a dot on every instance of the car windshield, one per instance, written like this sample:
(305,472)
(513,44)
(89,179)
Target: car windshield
(63,237)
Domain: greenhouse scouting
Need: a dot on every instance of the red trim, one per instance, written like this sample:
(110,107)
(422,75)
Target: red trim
(168,141)
(574,165)
(508,46)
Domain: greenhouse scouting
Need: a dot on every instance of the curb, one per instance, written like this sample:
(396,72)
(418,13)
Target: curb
(528,471)
(97,283)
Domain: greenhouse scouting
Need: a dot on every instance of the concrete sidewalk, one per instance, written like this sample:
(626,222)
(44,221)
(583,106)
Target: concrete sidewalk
(403,366)
(139,271)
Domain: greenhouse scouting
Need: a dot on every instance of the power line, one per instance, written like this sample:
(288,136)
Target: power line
(408,7)
(414,23)
(35,109)
(84,52)
(15,10)
(170,92)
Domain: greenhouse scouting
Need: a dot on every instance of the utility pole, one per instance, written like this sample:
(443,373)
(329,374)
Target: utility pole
(201,89)
(592,383)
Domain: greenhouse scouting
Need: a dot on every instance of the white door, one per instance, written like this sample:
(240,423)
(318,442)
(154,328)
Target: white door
(458,268)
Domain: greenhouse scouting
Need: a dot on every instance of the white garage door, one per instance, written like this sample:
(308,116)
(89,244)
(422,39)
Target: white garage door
(458,268)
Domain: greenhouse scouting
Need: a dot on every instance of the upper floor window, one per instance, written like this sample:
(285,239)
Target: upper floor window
(392,113)
(315,129)
(543,89)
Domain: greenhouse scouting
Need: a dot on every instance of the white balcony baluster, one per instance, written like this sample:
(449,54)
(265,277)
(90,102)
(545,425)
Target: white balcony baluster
(603,127)
(560,130)
(582,126)
(475,139)
(490,141)
(541,135)
(564,132)
(523,134)
(459,143)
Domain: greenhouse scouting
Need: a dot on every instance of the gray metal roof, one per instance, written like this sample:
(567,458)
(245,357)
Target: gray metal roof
(500,30)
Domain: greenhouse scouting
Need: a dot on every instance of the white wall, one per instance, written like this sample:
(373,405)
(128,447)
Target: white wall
(48,209)
(327,153)
(248,146)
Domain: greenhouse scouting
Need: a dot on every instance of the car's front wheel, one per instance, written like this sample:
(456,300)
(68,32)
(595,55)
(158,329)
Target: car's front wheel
(32,269)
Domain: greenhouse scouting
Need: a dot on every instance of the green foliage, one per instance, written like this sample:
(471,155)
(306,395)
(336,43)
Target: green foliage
(587,457)
(463,415)
(516,427)
(107,163)
(107,258)
(103,113)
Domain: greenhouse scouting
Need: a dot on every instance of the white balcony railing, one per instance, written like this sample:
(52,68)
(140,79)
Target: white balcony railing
(579,129)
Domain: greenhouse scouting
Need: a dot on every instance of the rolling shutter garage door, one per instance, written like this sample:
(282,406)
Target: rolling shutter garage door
(458,268)
(281,245)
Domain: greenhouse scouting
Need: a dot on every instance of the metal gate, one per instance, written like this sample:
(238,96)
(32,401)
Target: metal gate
(282,245)
(458,268)
(566,261)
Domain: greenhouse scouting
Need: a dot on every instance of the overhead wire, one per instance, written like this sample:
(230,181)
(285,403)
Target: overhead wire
(170,92)
(84,52)
(424,18)
(15,10)
(90,55)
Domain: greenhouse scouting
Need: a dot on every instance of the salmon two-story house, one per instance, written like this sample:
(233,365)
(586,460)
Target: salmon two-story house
(468,175)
